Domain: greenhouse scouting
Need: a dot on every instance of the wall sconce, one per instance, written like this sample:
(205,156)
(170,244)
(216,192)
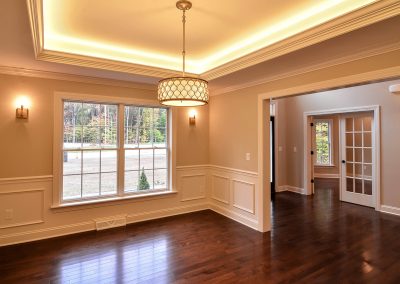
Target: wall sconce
(394,89)
(22,111)
(192,117)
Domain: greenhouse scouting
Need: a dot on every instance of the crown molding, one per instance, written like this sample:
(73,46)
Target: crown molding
(106,64)
(35,12)
(362,17)
(17,71)
(326,64)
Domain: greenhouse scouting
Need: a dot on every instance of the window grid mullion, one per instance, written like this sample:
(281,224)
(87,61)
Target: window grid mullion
(120,149)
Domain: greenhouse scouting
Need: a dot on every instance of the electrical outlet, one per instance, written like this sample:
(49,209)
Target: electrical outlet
(295,149)
(248,156)
(9,214)
(280,149)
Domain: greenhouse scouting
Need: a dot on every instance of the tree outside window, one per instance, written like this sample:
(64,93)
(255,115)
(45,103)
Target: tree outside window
(323,142)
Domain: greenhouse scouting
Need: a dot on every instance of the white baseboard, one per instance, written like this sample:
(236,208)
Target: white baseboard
(281,188)
(291,189)
(146,216)
(390,210)
(317,175)
(46,233)
(235,216)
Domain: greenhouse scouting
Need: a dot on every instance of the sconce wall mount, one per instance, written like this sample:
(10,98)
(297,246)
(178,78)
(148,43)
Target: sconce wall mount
(22,113)
(192,117)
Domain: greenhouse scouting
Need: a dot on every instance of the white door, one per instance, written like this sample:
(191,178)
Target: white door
(358,159)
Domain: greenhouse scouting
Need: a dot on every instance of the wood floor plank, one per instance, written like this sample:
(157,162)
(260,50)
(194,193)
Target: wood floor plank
(314,239)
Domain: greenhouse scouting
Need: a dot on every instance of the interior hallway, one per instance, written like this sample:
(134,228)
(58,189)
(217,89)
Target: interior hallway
(313,240)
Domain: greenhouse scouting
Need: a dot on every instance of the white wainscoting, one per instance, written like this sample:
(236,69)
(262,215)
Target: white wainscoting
(220,186)
(234,193)
(244,194)
(22,201)
(30,199)
(230,192)
(192,182)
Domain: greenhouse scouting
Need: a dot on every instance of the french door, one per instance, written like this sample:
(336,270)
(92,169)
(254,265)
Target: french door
(358,158)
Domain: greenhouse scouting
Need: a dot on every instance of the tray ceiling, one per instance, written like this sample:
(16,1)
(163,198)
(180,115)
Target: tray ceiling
(148,33)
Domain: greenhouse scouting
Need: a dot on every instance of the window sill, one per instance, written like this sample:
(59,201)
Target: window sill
(110,201)
(324,166)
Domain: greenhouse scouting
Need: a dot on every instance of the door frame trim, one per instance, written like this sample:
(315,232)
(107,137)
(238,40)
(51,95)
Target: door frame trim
(307,146)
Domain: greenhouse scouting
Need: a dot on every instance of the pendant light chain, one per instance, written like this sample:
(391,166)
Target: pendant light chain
(184,40)
(186,91)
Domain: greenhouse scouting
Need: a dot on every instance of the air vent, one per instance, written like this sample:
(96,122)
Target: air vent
(110,222)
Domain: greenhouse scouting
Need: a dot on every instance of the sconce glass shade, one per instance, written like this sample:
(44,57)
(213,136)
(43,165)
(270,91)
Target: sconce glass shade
(183,91)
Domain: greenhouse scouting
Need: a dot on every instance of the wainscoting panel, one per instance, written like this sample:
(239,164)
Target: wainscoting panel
(193,186)
(230,192)
(241,189)
(243,195)
(220,188)
(21,207)
(192,182)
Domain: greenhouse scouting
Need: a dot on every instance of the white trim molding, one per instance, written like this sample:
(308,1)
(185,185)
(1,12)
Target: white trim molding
(51,232)
(308,163)
(390,210)
(244,210)
(290,188)
(18,71)
(367,15)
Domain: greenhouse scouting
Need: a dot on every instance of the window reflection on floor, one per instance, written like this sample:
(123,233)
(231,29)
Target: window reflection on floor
(140,261)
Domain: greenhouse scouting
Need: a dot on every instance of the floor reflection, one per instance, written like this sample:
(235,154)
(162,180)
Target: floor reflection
(129,263)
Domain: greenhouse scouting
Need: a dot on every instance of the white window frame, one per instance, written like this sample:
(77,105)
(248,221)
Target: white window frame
(330,129)
(58,136)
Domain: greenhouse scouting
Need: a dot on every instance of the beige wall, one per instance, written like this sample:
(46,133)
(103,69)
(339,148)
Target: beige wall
(233,127)
(233,116)
(26,151)
(366,95)
(192,141)
(26,146)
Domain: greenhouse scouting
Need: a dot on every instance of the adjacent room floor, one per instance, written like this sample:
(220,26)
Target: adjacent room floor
(313,240)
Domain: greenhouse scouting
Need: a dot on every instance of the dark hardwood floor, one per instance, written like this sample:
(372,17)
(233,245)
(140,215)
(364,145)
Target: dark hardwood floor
(313,240)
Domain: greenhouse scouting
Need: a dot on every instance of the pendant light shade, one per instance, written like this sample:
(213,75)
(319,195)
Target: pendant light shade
(184,90)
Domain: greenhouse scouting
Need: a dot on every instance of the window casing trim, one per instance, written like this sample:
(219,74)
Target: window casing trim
(330,138)
(59,98)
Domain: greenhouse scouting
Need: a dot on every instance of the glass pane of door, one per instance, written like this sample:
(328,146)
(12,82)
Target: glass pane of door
(357,156)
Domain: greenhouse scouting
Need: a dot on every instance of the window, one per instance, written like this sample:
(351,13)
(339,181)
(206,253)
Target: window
(113,150)
(323,142)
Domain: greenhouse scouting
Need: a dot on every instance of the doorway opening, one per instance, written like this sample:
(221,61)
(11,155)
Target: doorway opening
(343,144)
(272,135)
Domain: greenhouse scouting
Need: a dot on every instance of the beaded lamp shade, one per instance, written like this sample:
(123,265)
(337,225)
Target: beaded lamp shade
(183,91)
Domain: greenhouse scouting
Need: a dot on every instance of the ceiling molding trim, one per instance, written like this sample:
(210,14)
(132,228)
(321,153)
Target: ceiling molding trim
(308,69)
(107,64)
(36,22)
(362,17)
(17,71)
(338,83)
